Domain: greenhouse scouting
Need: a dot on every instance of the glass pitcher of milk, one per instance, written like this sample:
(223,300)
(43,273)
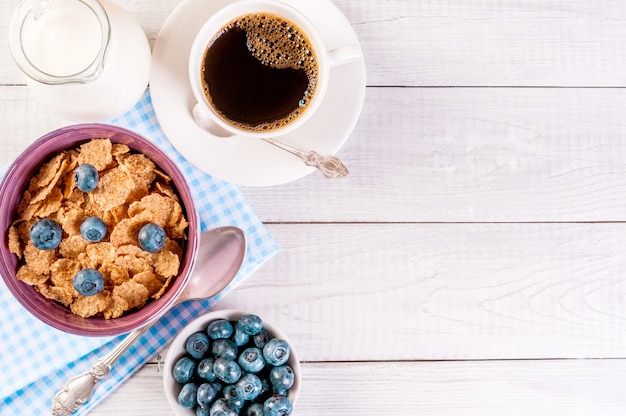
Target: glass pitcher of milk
(84,60)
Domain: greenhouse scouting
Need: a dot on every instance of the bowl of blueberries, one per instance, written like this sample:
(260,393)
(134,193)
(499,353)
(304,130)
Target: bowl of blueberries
(231,362)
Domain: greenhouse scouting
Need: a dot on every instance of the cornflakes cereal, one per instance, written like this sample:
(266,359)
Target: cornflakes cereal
(26,275)
(133,264)
(70,218)
(138,167)
(51,204)
(155,208)
(39,261)
(166,190)
(132,292)
(166,263)
(131,192)
(58,293)
(100,254)
(125,232)
(113,189)
(62,273)
(162,291)
(87,306)
(97,153)
(42,193)
(113,274)
(119,149)
(71,247)
(26,210)
(149,280)
(14,242)
(48,171)
(116,307)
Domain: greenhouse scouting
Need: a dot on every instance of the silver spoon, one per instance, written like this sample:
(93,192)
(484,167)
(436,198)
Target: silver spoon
(330,166)
(220,254)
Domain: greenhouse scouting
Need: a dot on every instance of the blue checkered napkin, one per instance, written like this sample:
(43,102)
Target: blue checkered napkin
(36,360)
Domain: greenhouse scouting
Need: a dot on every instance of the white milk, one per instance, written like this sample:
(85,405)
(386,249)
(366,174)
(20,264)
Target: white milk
(64,40)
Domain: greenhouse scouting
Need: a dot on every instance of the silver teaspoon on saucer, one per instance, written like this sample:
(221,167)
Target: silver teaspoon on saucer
(330,166)
(220,254)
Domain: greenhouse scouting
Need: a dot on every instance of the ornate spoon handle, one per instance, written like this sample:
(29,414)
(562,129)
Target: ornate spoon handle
(330,166)
(79,389)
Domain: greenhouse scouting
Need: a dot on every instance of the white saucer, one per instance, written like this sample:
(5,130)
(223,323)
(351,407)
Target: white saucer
(242,160)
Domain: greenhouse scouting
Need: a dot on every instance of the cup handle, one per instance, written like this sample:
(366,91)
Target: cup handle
(204,121)
(343,55)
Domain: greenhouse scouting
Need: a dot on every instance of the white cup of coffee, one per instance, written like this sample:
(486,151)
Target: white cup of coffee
(259,68)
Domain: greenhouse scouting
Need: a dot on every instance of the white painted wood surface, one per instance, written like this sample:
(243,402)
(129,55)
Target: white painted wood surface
(473,261)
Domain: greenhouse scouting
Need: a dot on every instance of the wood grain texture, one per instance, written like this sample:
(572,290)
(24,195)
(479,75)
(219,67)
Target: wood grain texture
(442,155)
(491,43)
(357,292)
(472,263)
(471,155)
(512,388)
(459,43)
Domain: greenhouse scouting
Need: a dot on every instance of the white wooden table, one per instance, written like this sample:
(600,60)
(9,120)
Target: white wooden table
(473,262)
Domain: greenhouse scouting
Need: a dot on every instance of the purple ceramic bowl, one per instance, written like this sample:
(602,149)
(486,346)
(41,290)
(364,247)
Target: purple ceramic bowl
(16,180)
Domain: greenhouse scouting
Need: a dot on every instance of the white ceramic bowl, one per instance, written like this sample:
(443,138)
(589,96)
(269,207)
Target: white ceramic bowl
(177,350)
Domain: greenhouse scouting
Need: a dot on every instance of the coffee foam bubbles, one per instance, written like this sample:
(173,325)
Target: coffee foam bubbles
(280,44)
(277,42)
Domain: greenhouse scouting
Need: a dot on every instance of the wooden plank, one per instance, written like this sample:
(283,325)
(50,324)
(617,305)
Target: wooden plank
(456,43)
(486,388)
(442,155)
(477,154)
(346,292)
(487,43)
(22,121)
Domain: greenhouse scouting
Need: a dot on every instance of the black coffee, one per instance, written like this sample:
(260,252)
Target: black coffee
(259,72)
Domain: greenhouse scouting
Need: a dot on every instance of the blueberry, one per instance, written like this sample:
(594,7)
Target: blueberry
(86,177)
(88,282)
(151,238)
(219,329)
(251,360)
(187,395)
(250,324)
(255,409)
(224,348)
(277,405)
(240,338)
(276,352)
(183,370)
(202,411)
(228,392)
(205,370)
(197,345)
(227,370)
(248,387)
(206,394)
(261,339)
(266,390)
(234,401)
(282,378)
(93,229)
(46,234)
(220,407)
